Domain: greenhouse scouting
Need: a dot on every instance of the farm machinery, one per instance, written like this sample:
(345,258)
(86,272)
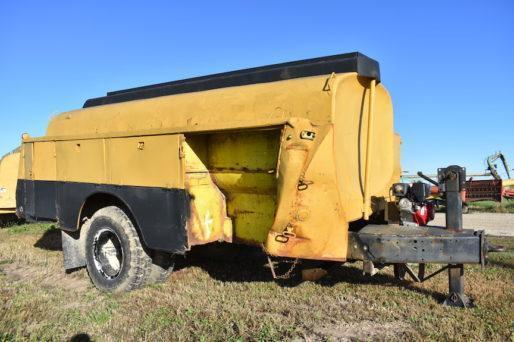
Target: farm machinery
(494,189)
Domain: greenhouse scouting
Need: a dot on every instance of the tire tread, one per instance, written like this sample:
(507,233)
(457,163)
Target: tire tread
(140,262)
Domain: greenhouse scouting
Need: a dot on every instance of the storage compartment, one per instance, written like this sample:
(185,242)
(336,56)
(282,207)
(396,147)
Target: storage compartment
(242,165)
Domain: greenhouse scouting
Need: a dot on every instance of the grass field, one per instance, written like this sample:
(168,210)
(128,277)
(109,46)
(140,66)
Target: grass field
(507,206)
(231,296)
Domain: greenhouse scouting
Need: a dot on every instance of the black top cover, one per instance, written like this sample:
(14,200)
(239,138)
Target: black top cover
(349,62)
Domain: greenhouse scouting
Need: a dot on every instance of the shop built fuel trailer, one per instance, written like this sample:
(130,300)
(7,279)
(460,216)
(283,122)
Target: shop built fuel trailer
(300,158)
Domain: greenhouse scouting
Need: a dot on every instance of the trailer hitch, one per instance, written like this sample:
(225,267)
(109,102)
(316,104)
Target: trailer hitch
(451,183)
(451,245)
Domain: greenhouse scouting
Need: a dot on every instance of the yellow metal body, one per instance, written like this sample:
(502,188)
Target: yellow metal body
(286,164)
(8,177)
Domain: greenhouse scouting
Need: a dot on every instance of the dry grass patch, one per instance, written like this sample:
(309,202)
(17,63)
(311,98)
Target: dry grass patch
(228,294)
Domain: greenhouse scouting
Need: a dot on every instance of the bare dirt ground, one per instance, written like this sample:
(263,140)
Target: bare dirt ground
(496,224)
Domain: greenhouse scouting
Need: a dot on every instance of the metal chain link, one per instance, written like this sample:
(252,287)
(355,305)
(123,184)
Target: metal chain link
(286,275)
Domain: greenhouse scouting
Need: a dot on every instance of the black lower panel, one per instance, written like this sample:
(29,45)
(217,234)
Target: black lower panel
(35,200)
(161,214)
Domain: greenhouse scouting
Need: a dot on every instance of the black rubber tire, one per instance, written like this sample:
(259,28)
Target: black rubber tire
(161,268)
(135,263)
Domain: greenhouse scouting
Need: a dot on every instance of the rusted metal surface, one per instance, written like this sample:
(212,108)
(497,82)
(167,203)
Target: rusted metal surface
(407,244)
(208,221)
(304,226)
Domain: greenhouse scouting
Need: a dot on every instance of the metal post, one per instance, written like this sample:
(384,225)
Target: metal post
(453,180)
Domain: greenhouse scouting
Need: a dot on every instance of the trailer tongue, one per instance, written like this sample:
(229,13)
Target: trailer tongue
(402,244)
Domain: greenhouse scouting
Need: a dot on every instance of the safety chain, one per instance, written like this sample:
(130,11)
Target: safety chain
(286,275)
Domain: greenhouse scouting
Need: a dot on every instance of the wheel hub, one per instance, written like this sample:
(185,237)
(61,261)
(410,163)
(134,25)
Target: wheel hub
(107,252)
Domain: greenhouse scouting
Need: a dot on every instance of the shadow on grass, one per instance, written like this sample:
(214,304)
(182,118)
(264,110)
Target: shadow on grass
(50,240)
(9,220)
(81,337)
(501,263)
(235,263)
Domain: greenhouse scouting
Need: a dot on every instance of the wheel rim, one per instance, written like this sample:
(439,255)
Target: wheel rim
(107,253)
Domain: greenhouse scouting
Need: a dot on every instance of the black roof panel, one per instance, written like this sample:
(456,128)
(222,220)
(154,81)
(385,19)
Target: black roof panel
(349,62)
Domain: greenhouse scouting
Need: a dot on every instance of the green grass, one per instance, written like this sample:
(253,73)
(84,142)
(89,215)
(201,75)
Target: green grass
(232,297)
(507,206)
(27,228)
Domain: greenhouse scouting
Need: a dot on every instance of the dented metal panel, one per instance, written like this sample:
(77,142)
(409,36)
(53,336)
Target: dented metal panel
(208,221)
(304,225)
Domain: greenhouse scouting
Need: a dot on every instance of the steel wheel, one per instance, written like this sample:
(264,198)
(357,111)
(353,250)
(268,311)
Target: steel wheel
(107,252)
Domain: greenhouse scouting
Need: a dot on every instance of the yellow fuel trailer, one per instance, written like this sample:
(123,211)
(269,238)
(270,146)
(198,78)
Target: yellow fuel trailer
(8,178)
(298,158)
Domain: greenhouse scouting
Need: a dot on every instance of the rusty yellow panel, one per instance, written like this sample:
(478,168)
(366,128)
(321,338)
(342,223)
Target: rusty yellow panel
(208,221)
(246,151)
(243,166)
(81,161)
(309,207)
(8,177)
(146,161)
(246,182)
(293,158)
(44,164)
(252,215)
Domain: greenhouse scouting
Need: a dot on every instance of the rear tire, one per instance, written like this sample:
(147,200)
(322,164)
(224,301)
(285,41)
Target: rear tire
(161,268)
(115,259)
